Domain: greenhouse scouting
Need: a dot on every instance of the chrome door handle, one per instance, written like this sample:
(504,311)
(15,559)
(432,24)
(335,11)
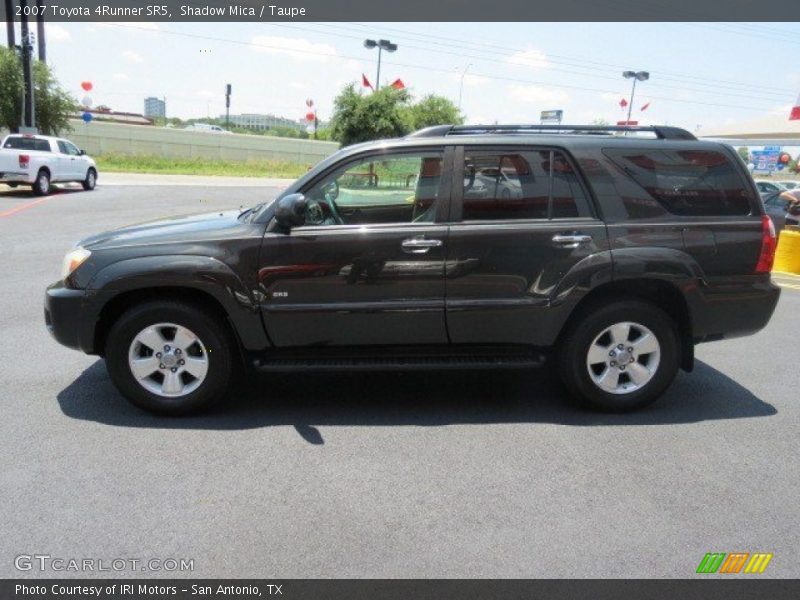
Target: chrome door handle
(419,245)
(571,240)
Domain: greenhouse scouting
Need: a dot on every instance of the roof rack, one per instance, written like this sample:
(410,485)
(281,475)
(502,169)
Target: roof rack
(661,132)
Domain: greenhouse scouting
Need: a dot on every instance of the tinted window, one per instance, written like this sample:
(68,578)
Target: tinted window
(687,182)
(400,188)
(533,184)
(27,143)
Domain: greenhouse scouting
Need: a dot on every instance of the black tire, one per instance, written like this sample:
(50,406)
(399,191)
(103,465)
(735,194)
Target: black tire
(574,348)
(41,187)
(91,180)
(217,345)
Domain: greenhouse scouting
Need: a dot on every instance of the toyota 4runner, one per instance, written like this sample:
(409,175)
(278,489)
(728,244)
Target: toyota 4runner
(618,249)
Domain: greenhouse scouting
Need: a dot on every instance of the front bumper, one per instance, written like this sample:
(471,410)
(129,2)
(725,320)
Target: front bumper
(65,314)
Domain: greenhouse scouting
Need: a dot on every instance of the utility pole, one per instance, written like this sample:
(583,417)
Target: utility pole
(228,106)
(12,42)
(29,117)
(461,85)
(40,32)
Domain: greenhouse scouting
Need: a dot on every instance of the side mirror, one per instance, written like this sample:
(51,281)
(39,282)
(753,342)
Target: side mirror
(291,211)
(81,152)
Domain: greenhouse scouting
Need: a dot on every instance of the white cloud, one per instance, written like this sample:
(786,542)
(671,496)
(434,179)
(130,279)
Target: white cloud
(297,48)
(299,85)
(531,58)
(205,93)
(120,77)
(57,33)
(537,94)
(132,56)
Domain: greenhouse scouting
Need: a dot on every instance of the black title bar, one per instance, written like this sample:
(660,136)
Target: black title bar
(412,10)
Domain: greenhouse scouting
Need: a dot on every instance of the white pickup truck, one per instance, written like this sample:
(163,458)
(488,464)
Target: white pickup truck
(39,160)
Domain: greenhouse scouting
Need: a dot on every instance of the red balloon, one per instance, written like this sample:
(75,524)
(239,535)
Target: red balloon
(87,86)
(310,116)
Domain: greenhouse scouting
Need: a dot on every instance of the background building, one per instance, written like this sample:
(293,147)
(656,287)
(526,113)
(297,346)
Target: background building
(155,107)
(262,122)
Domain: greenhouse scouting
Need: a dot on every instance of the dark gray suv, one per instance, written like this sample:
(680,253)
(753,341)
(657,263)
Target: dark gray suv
(612,251)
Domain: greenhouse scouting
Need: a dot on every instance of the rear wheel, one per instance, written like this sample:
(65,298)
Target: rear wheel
(169,357)
(41,187)
(621,356)
(90,181)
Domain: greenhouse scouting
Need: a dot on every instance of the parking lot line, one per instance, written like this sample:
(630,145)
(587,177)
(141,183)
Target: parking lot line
(22,207)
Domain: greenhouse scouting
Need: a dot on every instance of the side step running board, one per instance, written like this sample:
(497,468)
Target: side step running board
(406,363)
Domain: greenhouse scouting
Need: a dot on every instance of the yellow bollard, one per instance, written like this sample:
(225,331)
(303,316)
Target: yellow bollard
(787,256)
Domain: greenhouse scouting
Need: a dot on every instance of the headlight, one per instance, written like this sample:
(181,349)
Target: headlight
(74,259)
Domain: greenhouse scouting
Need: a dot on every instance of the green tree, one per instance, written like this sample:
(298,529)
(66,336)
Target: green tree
(744,152)
(53,105)
(10,89)
(434,110)
(381,114)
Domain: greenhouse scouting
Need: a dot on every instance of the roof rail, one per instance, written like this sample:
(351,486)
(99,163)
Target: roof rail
(661,132)
(433,131)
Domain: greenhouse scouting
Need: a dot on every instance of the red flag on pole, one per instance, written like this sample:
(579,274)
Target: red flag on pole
(623,103)
(795,114)
(398,84)
(365,82)
(646,106)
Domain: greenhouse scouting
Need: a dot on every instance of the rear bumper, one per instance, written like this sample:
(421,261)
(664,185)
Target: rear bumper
(734,310)
(8,177)
(66,316)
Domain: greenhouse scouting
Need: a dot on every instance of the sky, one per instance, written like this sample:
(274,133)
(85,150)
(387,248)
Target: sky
(702,75)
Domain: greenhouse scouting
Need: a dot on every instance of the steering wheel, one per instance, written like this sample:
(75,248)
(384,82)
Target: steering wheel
(330,191)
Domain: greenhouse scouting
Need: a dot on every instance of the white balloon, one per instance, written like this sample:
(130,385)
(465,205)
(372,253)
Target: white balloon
(87,101)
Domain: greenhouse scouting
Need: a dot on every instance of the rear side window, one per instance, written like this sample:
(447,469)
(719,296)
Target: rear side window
(687,182)
(531,184)
(26,143)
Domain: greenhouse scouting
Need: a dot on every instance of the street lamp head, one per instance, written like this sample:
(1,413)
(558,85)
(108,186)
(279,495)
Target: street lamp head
(642,76)
(629,74)
(387,45)
(370,44)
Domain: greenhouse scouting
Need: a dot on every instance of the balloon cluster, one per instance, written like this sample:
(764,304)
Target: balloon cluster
(87,102)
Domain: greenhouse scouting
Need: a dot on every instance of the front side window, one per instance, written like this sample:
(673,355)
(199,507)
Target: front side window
(687,182)
(399,188)
(532,184)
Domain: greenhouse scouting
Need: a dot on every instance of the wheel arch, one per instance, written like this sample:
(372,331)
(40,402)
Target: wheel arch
(664,294)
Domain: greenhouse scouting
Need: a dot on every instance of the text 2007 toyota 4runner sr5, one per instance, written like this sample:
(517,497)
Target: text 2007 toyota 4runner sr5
(455,247)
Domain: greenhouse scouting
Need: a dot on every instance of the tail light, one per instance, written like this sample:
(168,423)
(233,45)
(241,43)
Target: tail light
(24,161)
(769,243)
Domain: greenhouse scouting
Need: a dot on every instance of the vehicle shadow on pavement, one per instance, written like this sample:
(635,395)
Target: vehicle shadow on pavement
(305,401)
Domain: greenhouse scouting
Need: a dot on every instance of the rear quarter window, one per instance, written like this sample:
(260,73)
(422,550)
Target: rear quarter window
(687,182)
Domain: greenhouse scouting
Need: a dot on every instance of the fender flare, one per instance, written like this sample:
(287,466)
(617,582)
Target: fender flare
(191,272)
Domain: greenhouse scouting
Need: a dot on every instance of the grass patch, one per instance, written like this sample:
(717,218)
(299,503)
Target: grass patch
(119,163)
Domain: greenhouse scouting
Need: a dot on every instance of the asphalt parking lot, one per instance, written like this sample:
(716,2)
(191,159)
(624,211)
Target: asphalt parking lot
(380,475)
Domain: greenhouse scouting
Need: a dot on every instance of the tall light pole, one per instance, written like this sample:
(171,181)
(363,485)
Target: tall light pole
(381,45)
(461,85)
(636,76)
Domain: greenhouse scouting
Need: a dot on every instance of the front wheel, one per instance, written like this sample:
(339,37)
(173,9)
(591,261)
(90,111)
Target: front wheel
(621,356)
(169,357)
